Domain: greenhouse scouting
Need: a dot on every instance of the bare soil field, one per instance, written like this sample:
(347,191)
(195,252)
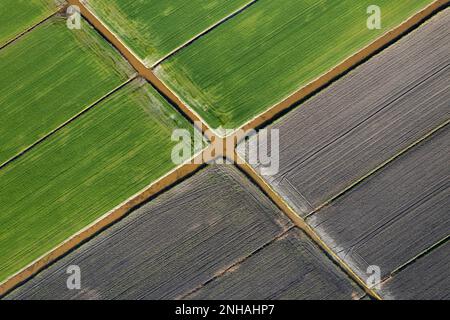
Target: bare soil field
(365,118)
(396,214)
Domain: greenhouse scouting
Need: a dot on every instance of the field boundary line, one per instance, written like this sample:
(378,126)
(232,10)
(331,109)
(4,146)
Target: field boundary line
(204,32)
(420,255)
(301,224)
(239,261)
(413,260)
(348,64)
(293,99)
(29,29)
(65,123)
(163,183)
(362,123)
(140,67)
(378,168)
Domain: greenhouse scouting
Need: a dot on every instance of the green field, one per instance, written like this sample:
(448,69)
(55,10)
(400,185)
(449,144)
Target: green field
(83,171)
(50,75)
(152,29)
(16,16)
(270,50)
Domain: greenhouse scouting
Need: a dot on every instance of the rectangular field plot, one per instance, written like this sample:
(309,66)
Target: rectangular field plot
(396,214)
(18,16)
(289,268)
(383,106)
(86,169)
(50,75)
(428,278)
(153,29)
(269,51)
(171,245)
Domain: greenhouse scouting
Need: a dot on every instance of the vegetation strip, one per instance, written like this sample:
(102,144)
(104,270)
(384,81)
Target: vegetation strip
(428,278)
(17,37)
(421,255)
(234,265)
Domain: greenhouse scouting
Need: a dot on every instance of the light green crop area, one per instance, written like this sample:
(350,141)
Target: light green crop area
(86,169)
(152,29)
(16,16)
(50,75)
(270,50)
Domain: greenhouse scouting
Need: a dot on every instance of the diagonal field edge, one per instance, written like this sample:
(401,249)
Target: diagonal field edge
(64,124)
(377,169)
(29,29)
(411,261)
(248,170)
(421,255)
(276,111)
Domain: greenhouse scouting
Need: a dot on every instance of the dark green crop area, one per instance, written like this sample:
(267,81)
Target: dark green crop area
(152,29)
(16,16)
(83,171)
(269,51)
(50,75)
